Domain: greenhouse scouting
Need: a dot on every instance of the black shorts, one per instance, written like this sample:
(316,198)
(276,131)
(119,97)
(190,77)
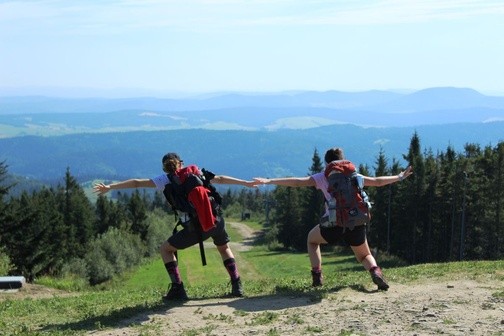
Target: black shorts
(188,237)
(354,237)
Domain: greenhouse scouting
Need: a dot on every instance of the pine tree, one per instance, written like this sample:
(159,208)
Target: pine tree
(78,214)
(108,214)
(137,211)
(32,234)
(312,205)
(431,221)
(408,234)
(287,215)
(447,204)
(378,231)
(4,189)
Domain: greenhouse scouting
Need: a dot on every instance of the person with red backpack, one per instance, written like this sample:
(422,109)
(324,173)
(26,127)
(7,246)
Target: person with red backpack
(197,205)
(347,211)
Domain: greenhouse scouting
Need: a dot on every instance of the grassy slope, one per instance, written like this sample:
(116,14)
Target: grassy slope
(264,273)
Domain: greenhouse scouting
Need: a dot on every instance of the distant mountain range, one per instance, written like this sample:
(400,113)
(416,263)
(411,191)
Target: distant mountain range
(36,115)
(244,154)
(243,135)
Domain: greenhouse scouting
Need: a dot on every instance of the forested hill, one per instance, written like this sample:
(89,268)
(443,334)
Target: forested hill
(244,154)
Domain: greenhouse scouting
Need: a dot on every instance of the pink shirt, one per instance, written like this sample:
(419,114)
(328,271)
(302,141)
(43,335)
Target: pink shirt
(321,184)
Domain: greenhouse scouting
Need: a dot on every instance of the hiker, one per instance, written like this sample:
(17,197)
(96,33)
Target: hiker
(321,234)
(197,212)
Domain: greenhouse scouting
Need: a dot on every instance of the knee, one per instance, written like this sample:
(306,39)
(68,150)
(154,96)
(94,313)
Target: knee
(314,236)
(166,247)
(362,257)
(223,248)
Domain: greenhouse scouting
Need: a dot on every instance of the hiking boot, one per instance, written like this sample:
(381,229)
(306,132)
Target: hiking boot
(176,293)
(378,279)
(316,279)
(236,288)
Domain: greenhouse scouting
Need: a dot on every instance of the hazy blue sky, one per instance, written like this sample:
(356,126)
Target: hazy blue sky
(264,45)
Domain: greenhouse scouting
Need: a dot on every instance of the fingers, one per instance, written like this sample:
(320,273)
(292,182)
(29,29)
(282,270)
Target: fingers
(100,188)
(407,172)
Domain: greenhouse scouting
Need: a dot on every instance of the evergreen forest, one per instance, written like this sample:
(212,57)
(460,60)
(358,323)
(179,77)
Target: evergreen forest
(450,209)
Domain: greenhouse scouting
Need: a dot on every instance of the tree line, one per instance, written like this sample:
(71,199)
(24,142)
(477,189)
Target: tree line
(57,231)
(451,208)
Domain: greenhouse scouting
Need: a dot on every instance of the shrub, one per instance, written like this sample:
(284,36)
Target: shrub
(270,238)
(5,263)
(234,210)
(160,228)
(75,268)
(113,253)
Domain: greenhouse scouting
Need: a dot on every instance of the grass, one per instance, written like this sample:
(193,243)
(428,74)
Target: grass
(266,273)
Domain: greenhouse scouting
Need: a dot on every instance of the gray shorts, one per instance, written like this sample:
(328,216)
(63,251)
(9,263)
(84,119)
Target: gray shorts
(189,236)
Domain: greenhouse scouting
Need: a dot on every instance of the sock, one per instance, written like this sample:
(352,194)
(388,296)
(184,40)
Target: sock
(230,265)
(317,269)
(173,272)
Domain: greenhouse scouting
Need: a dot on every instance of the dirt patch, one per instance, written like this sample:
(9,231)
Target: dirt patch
(31,291)
(249,236)
(463,307)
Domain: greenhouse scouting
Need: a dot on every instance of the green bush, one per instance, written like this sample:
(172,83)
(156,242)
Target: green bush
(113,253)
(270,238)
(160,228)
(75,268)
(5,263)
(100,269)
(234,210)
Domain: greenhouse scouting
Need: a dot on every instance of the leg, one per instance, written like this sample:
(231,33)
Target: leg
(230,265)
(313,245)
(177,290)
(314,241)
(168,252)
(364,256)
(221,239)
(225,252)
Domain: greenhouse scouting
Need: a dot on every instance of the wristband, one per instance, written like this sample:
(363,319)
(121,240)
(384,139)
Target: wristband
(401,176)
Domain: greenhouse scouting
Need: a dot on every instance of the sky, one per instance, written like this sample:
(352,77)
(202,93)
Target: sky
(163,47)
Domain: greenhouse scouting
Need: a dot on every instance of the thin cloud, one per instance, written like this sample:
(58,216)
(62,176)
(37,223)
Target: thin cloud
(110,17)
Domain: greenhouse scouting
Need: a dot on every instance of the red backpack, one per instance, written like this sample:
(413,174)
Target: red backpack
(349,204)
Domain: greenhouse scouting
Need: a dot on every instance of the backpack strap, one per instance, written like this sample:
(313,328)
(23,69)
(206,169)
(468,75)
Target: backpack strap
(178,193)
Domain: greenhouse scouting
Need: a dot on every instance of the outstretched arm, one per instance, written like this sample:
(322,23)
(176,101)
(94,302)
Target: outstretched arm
(306,181)
(223,179)
(101,188)
(381,181)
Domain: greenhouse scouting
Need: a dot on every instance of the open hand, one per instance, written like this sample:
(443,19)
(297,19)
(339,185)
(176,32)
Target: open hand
(406,173)
(101,188)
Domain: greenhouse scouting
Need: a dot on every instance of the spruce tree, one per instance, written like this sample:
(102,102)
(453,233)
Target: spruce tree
(78,214)
(311,203)
(413,204)
(287,216)
(137,211)
(378,230)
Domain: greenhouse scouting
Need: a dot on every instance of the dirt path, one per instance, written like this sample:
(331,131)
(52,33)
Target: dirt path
(247,233)
(463,307)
